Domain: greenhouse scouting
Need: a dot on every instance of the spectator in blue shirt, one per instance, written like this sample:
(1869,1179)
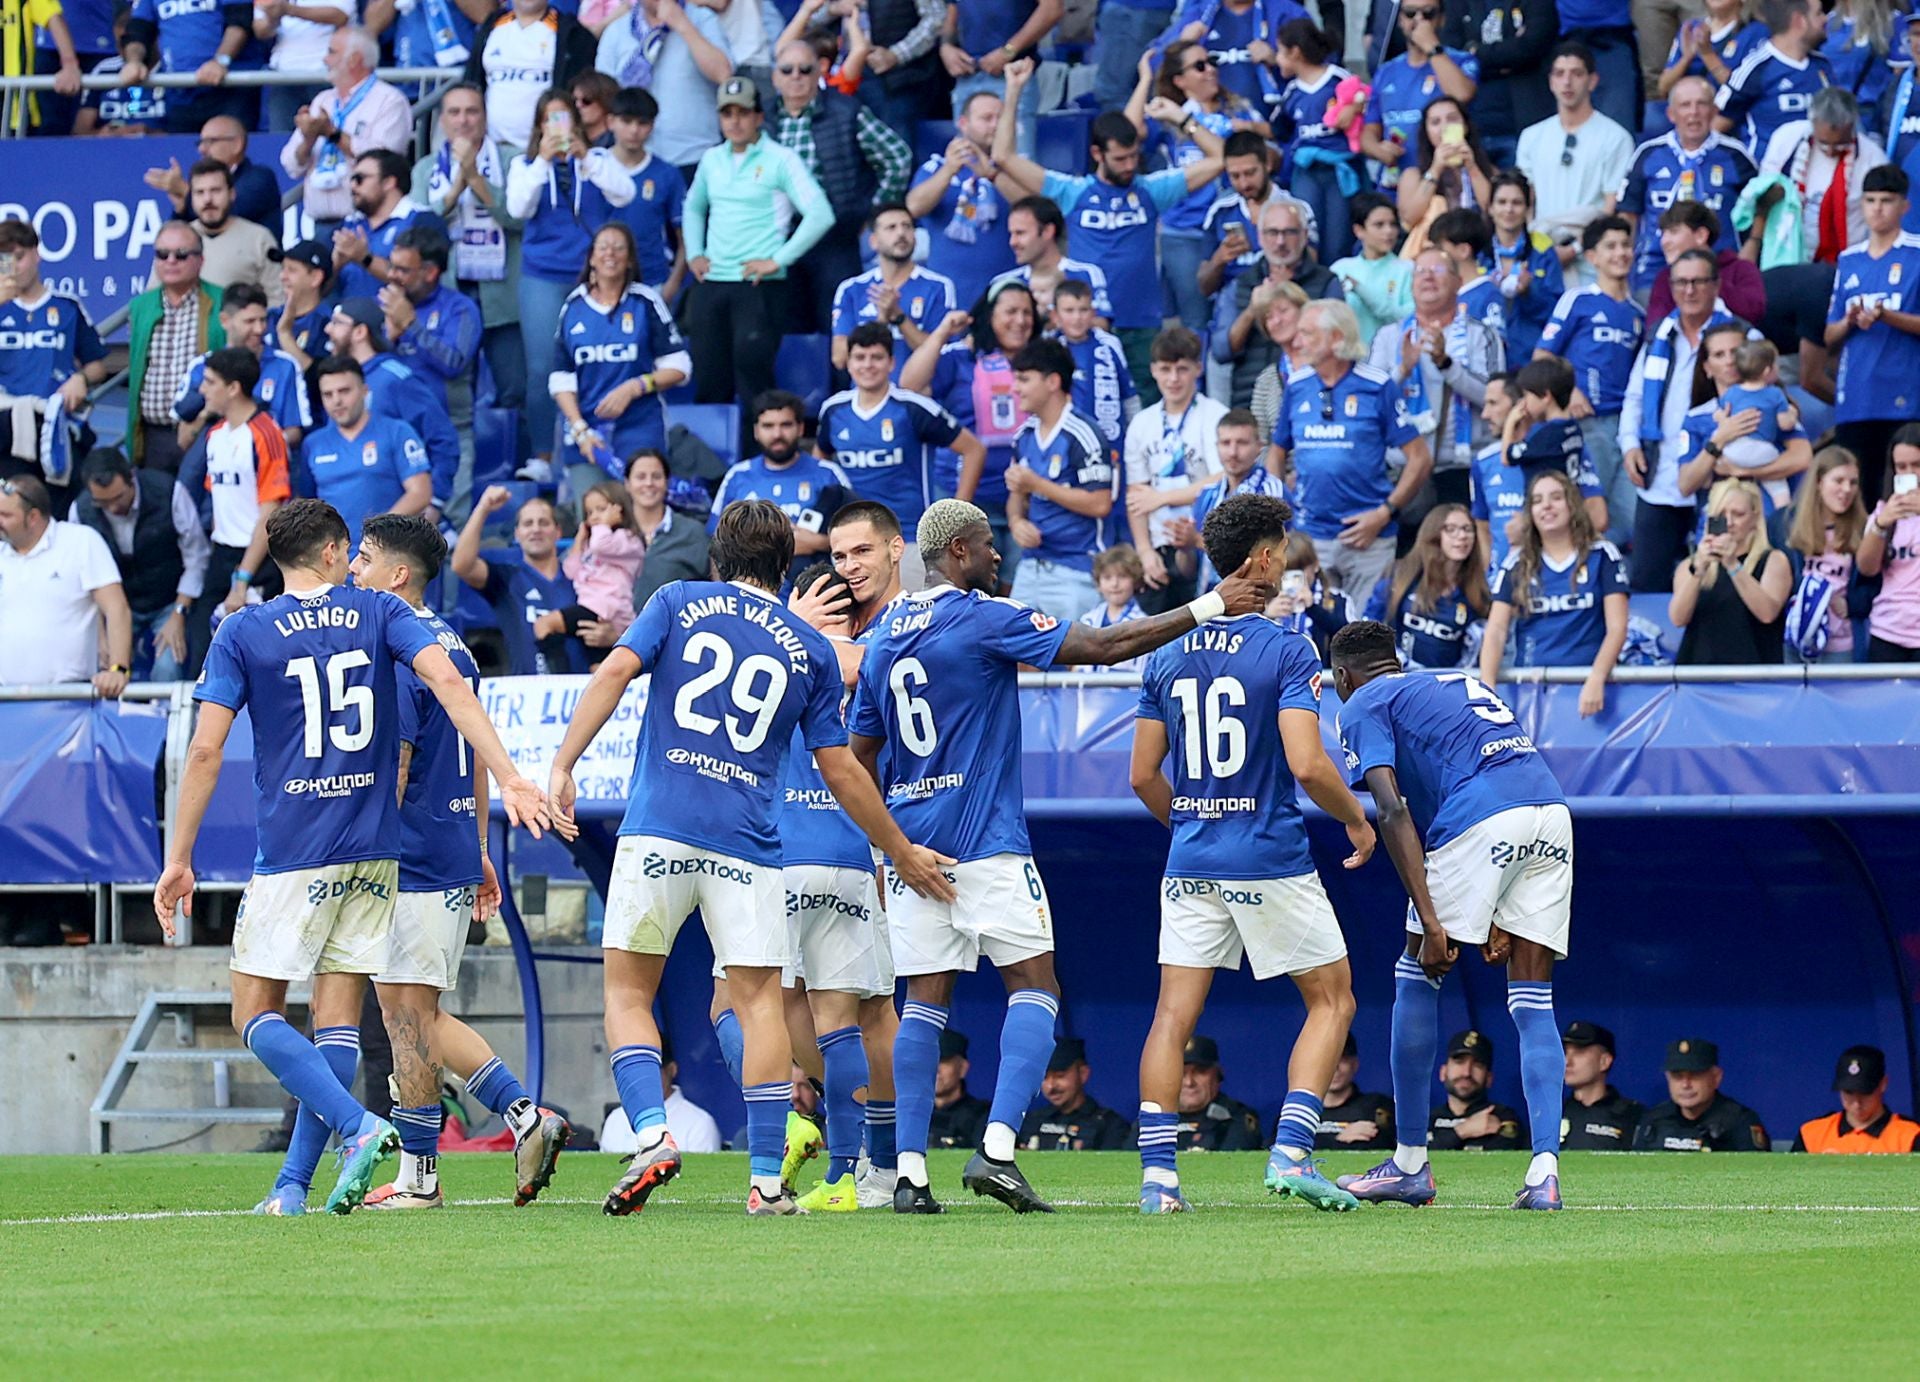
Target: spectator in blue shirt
(1773,84)
(1437,592)
(1405,86)
(207,38)
(379,184)
(659,193)
(955,198)
(1326,171)
(807,489)
(522,583)
(436,333)
(908,299)
(360,463)
(1060,488)
(356,329)
(983,39)
(1526,270)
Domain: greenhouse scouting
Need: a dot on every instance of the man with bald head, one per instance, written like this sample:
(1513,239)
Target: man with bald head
(256,192)
(1690,162)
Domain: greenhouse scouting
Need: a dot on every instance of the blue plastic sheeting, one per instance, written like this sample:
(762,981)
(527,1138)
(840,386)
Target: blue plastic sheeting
(79,797)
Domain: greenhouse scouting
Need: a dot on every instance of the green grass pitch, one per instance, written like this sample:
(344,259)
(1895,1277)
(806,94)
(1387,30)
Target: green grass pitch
(139,1267)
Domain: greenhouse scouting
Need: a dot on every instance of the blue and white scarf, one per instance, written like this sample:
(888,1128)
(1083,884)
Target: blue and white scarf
(648,40)
(1658,369)
(329,164)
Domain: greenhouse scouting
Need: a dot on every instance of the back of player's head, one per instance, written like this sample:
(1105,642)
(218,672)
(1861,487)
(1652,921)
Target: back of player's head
(945,520)
(1238,526)
(753,543)
(1175,344)
(868,335)
(300,528)
(1691,215)
(885,523)
(1753,359)
(1363,645)
(1044,356)
(1888,177)
(778,401)
(409,538)
(1598,229)
(1550,378)
(236,365)
(821,573)
(1464,225)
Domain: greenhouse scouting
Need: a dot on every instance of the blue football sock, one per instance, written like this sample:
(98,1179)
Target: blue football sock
(733,1044)
(1299,1123)
(303,1072)
(880,1135)
(767,1106)
(916,1059)
(1026,1042)
(419,1129)
(495,1086)
(846,1062)
(1543,1062)
(341,1047)
(636,1074)
(1159,1136)
(1416,1049)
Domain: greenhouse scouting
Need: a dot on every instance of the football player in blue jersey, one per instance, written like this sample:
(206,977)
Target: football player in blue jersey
(733,675)
(936,720)
(1480,834)
(318,664)
(1237,705)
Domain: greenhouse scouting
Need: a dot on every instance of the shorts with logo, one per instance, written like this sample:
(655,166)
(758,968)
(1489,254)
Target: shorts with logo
(836,931)
(334,919)
(1001,912)
(1281,925)
(658,882)
(429,937)
(1514,868)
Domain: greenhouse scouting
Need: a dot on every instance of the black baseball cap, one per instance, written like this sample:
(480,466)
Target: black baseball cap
(1588,1034)
(1202,1050)
(1471,1042)
(1860,1070)
(952,1044)
(309,252)
(1067,1053)
(1691,1055)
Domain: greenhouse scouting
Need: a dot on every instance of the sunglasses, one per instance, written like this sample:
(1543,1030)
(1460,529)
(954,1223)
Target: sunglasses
(1417,15)
(359,178)
(787,69)
(1197,65)
(176,254)
(1566,150)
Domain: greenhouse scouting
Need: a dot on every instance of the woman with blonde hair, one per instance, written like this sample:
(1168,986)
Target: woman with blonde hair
(1276,306)
(1731,595)
(1828,522)
(1437,591)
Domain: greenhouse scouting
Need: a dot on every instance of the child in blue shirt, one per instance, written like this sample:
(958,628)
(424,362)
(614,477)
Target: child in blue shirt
(1552,438)
(1756,390)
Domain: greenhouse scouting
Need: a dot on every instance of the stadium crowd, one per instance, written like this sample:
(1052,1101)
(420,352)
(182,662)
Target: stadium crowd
(1526,311)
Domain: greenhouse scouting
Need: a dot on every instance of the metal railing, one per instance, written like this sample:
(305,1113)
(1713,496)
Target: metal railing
(1786,674)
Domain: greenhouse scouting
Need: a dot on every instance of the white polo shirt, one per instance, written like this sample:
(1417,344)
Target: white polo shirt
(49,625)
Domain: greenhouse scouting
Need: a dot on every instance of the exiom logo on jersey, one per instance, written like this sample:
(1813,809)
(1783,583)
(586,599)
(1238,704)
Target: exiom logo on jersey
(658,866)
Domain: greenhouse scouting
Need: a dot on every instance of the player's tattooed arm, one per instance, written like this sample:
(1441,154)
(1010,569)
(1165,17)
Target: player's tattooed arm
(1435,953)
(1086,646)
(1143,770)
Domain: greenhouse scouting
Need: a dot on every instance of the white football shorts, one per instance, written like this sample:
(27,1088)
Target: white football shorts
(657,883)
(1515,868)
(1001,912)
(335,919)
(836,931)
(429,937)
(1281,925)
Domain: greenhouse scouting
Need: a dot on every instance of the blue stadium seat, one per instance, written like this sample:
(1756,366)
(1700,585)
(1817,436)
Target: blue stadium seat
(1060,140)
(495,441)
(716,424)
(679,395)
(804,365)
(931,137)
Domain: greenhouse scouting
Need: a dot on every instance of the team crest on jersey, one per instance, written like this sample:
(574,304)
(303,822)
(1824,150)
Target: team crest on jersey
(433,321)
(806,491)
(370,454)
(1716,175)
(646,190)
(1426,87)
(1043,622)
(1353,405)
(1893,274)
(53,316)
(266,391)
(626,322)
(886,429)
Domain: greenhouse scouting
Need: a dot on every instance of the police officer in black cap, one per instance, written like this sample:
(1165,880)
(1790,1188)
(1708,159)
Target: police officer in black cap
(959,1119)
(1697,1117)
(1209,1120)
(1596,1117)
(1072,1121)
(1350,1119)
(1470,1120)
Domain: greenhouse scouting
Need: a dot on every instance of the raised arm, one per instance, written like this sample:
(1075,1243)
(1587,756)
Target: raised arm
(466,560)
(1012,165)
(1086,646)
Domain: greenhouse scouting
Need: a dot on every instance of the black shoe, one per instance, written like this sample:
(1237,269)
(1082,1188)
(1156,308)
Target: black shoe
(1003,1181)
(909,1198)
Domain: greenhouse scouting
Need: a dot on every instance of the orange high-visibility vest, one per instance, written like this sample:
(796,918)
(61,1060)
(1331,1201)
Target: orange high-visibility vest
(1831,1134)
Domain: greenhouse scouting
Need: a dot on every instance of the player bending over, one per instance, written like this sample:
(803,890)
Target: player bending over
(1237,704)
(936,719)
(316,669)
(733,674)
(1444,760)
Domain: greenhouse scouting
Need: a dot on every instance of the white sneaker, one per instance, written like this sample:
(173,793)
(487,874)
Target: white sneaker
(537,470)
(874,1188)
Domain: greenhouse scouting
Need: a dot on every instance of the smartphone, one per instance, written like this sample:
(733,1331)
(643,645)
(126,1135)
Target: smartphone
(1453,134)
(1293,584)
(557,118)
(1906,484)
(8,264)
(1717,525)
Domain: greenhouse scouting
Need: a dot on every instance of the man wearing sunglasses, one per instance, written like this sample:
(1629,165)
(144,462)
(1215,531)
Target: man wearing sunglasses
(1576,157)
(1405,86)
(168,327)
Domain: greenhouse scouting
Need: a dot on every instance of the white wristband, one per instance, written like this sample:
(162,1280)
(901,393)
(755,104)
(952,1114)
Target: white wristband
(1208,606)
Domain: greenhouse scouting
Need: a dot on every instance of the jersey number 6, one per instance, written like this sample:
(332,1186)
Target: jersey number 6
(916,716)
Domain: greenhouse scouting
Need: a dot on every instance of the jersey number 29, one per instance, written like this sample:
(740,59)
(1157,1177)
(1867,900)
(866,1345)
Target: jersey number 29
(759,703)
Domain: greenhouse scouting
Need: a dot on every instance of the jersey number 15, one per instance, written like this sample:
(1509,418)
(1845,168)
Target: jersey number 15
(341,698)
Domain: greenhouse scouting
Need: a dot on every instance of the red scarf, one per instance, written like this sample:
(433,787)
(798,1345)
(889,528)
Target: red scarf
(1833,215)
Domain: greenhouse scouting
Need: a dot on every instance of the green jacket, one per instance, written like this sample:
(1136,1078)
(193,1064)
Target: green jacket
(143,317)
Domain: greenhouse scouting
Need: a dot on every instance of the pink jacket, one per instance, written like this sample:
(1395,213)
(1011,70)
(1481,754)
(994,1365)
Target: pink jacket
(603,570)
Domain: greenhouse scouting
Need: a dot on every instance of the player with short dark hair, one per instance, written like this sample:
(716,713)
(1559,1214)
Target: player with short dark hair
(1237,706)
(317,663)
(1447,764)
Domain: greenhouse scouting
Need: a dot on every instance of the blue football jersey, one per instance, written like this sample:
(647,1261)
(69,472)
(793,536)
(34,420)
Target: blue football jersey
(41,345)
(925,298)
(1453,745)
(1879,374)
(1482,300)
(1499,492)
(1303,109)
(1556,444)
(1599,337)
(1220,691)
(888,454)
(966,231)
(597,349)
(366,474)
(1102,384)
(659,202)
(1663,173)
(190,32)
(1337,439)
(1428,638)
(1401,95)
(1732,40)
(1092,275)
(814,827)
(1565,621)
(1116,228)
(395,391)
(439,818)
(940,683)
(733,676)
(316,672)
(1769,89)
(1190,212)
(1526,313)
(1075,456)
(281,392)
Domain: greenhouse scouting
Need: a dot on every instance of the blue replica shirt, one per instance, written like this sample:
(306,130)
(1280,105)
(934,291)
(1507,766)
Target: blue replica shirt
(1303,110)
(1733,41)
(1226,213)
(443,340)
(1220,692)
(1565,621)
(1075,456)
(1556,444)
(598,349)
(395,391)
(1259,480)
(940,684)
(439,817)
(1337,439)
(1499,492)
(1526,313)
(1879,373)
(190,33)
(1482,300)
(356,280)
(316,672)
(814,827)
(808,490)
(1454,748)
(281,392)
(1229,37)
(43,344)
(412,32)
(659,204)
(1769,89)
(1431,639)
(1114,227)
(1092,275)
(969,386)
(734,676)
(888,452)
(519,595)
(1401,95)
(126,107)
(925,298)
(1599,336)
(1102,384)
(1663,173)
(1190,212)
(367,473)
(1769,401)
(990,24)
(966,231)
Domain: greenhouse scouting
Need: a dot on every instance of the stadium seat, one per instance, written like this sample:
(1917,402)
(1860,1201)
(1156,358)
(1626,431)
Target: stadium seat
(931,137)
(1060,140)
(495,445)
(679,395)
(804,366)
(716,424)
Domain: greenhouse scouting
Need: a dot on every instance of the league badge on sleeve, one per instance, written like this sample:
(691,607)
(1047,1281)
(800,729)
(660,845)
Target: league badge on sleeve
(1043,622)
